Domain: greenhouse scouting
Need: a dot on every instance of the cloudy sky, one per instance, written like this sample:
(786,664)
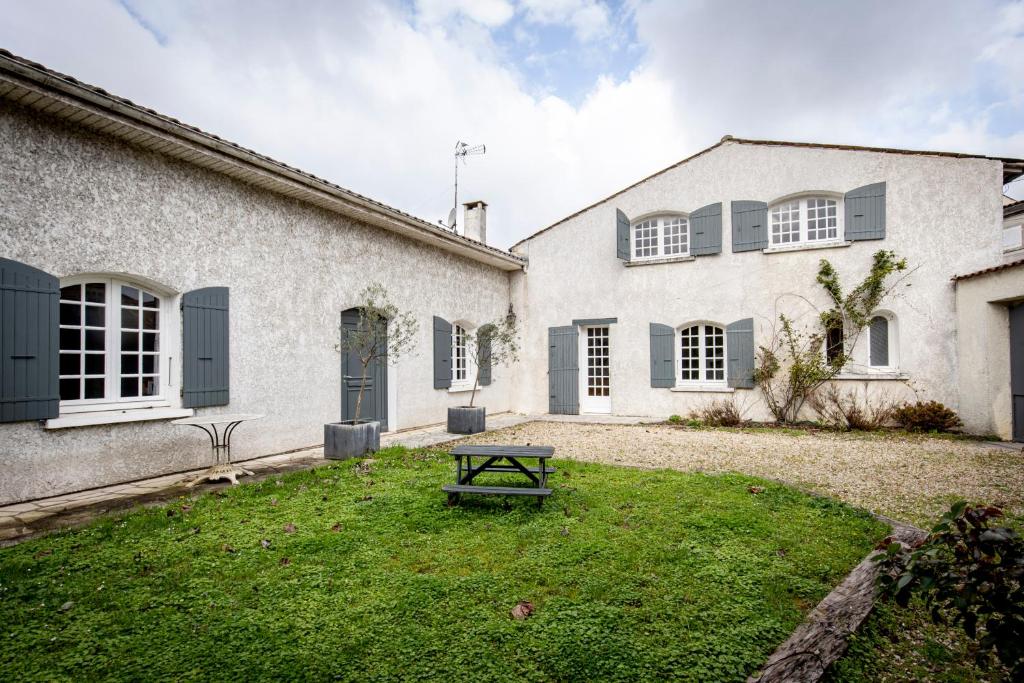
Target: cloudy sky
(573,98)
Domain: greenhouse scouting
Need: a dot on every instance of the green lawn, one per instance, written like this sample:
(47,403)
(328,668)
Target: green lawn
(352,574)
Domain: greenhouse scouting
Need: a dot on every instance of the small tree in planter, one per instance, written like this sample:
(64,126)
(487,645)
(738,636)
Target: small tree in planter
(495,343)
(384,334)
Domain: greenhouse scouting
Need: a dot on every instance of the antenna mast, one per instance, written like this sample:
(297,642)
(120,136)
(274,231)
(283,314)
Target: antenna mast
(462,150)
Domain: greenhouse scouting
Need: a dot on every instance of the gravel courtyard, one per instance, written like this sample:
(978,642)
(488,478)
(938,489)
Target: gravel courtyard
(912,479)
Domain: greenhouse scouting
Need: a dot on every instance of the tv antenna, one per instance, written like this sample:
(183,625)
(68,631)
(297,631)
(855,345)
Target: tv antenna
(462,150)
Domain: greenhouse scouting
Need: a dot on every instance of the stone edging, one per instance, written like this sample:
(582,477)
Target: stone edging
(821,639)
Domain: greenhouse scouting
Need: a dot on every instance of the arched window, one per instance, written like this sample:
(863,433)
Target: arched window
(881,333)
(804,220)
(702,353)
(661,236)
(110,346)
(463,367)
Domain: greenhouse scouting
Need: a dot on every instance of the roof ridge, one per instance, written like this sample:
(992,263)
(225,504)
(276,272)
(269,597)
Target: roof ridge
(47,73)
(780,143)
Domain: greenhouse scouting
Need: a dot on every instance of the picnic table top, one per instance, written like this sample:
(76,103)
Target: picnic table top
(506,451)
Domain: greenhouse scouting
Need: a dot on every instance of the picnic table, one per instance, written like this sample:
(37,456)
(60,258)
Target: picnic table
(505,459)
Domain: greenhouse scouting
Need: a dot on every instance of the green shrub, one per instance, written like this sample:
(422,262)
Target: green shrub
(675,419)
(930,416)
(968,572)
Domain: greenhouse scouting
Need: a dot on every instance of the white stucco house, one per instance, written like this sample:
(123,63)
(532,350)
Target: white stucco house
(150,270)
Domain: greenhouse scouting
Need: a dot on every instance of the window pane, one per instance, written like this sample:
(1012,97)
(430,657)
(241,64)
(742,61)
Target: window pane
(70,389)
(714,353)
(645,238)
(150,319)
(95,316)
(71,292)
(834,344)
(95,340)
(690,353)
(70,314)
(130,318)
(96,292)
(70,363)
(150,301)
(129,386)
(785,219)
(94,388)
(70,340)
(129,364)
(150,386)
(129,341)
(129,296)
(150,364)
(149,341)
(676,235)
(95,363)
(821,219)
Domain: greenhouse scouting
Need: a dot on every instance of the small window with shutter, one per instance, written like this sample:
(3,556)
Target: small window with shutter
(880,333)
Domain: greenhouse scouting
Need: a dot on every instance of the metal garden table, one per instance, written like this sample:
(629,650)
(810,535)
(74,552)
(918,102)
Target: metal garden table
(220,442)
(492,457)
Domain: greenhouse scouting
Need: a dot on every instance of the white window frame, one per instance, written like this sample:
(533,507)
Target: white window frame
(894,360)
(469,337)
(802,239)
(661,222)
(112,348)
(702,380)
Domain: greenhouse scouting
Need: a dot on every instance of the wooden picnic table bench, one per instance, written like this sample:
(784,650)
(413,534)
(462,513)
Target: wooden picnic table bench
(492,457)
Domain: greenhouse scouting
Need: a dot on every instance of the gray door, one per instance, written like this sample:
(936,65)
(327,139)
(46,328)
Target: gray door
(1017,369)
(375,395)
(563,370)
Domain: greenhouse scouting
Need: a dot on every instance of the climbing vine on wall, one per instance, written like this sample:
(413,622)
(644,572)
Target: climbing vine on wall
(795,363)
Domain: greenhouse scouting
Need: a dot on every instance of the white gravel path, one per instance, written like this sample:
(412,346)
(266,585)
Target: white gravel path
(912,479)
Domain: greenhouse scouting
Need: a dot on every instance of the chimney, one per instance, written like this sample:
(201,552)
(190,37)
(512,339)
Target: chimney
(474,221)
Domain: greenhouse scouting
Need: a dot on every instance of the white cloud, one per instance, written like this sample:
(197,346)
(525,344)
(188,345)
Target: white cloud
(490,13)
(372,97)
(589,19)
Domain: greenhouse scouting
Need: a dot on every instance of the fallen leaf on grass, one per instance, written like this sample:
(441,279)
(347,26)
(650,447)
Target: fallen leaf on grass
(43,553)
(755,489)
(284,562)
(337,527)
(227,548)
(265,543)
(273,501)
(289,528)
(522,610)
(67,605)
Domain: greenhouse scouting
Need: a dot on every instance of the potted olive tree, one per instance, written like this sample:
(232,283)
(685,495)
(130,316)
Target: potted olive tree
(383,335)
(494,343)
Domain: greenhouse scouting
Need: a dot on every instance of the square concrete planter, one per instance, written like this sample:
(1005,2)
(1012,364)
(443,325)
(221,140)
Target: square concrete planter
(343,440)
(466,420)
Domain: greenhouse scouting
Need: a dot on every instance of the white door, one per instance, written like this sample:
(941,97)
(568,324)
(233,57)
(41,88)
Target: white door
(595,381)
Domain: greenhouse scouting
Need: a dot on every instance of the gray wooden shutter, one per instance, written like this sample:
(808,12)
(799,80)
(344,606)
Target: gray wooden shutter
(865,212)
(442,353)
(29,329)
(739,338)
(706,230)
(563,370)
(485,357)
(621,235)
(749,226)
(663,363)
(879,334)
(205,349)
